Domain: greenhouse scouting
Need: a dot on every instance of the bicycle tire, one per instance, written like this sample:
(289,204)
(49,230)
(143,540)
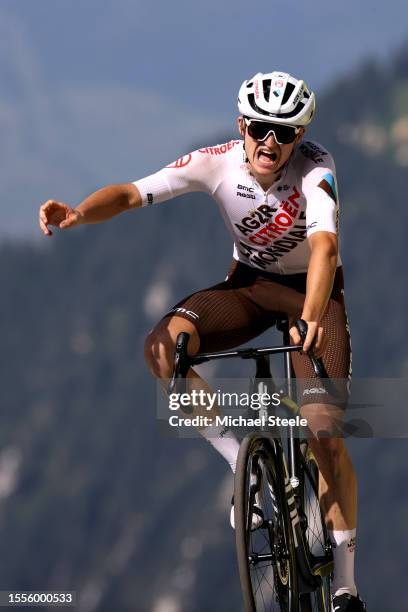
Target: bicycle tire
(316,536)
(268,585)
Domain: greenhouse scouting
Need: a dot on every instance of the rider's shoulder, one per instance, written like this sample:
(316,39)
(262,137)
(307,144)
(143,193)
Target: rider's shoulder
(207,164)
(214,155)
(220,151)
(310,154)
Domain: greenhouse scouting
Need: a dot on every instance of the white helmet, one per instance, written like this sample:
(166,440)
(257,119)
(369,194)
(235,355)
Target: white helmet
(277,97)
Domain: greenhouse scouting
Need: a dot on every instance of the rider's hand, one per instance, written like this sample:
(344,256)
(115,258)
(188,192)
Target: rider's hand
(314,331)
(59,215)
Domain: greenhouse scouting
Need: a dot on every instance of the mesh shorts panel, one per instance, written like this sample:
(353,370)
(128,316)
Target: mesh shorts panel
(226,317)
(336,358)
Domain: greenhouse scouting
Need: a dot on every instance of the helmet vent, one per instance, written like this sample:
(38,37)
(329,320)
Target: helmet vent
(267,88)
(288,92)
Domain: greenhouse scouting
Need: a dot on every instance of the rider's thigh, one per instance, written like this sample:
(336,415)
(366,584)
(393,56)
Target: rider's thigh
(161,341)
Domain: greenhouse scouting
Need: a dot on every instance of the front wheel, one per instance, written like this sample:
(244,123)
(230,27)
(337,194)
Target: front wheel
(266,555)
(316,537)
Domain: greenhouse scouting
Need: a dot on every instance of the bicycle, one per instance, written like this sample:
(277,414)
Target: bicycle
(285,563)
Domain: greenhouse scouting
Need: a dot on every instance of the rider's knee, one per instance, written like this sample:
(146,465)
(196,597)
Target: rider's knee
(156,350)
(325,423)
(160,345)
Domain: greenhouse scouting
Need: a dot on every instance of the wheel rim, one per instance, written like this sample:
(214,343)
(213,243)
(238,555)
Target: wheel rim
(316,534)
(268,548)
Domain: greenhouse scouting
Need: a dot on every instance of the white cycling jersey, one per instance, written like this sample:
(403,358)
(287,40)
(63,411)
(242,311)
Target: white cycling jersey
(269,228)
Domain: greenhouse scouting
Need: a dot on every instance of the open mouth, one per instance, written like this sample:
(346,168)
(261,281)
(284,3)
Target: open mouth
(267,158)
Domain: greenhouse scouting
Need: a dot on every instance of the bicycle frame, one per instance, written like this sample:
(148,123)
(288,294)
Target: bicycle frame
(309,573)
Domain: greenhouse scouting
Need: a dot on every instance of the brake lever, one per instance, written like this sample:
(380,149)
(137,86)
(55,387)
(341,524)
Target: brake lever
(180,358)
(317,363)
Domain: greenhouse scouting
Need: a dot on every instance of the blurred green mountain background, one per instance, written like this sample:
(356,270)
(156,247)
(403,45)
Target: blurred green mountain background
(92,497)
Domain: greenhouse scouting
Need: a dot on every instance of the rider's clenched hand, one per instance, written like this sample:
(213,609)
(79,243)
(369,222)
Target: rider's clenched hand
(59,215)
(315,338)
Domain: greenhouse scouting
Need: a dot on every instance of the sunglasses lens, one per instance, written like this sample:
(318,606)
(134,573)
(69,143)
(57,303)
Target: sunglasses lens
(258,130)
(284,134)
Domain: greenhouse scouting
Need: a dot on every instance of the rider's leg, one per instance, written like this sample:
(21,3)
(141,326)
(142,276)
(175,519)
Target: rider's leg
(338,486)
(337,492)
(217,318)
(159,354)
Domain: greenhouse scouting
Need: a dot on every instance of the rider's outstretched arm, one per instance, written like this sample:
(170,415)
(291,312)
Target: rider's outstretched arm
(99,206)
(108,202)
(198,171)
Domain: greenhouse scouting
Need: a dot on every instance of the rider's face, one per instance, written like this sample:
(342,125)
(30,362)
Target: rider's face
(266,158)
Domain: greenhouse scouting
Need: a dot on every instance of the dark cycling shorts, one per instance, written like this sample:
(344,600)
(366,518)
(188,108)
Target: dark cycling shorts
(249,301)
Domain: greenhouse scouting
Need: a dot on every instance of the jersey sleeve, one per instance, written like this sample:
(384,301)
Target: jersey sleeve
(322,208)
(192,172)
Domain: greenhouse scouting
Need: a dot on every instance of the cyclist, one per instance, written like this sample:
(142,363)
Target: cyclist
(278,196)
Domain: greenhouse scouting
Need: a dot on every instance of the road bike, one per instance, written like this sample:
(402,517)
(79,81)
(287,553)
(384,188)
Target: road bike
(286,562)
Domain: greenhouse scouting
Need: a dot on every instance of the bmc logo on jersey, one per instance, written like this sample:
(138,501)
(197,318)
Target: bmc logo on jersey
(189,313)
(181,162)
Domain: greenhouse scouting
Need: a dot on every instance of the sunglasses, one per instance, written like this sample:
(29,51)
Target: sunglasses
(260,130)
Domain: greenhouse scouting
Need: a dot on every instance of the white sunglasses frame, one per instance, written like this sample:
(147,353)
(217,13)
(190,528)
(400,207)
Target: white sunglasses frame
(249,121)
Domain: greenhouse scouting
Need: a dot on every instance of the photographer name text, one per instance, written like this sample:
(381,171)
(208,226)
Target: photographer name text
(238,421)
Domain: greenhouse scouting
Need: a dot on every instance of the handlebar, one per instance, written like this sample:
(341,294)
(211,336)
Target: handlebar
(183,361)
